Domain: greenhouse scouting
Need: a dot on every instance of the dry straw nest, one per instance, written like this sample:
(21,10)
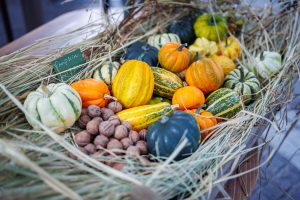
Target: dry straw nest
(33,164)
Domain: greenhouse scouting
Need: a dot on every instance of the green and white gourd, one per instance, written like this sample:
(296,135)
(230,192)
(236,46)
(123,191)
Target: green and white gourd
(161,39)
(106,72)
(57,106)
(267,64)
(244,83)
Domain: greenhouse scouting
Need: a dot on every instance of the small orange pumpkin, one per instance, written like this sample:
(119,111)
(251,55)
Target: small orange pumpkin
(205,74)
(174,57)
(188,97)
(205,120)
(92,92)
(226,63)
(230,48)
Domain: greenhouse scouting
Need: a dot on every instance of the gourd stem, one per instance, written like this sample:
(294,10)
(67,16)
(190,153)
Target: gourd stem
(199,108)
(175,106)
(261,57)
(181,47)
(212,20)
(164,119)
(197,57)
(106,96)
(45,89)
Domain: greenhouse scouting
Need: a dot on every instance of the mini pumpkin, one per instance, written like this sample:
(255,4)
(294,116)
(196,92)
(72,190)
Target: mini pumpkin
(188,97)
(174,57)
(211,26)
(203,47)
(184,29)
(106,72)
(92,92)
(160,40)
(226,63)
(205,74)
(230,48)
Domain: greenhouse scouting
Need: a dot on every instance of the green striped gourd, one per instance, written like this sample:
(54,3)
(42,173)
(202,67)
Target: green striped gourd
(57,106)
(244,83)
(165,82)
(223,102)
(161,39)
(106,72)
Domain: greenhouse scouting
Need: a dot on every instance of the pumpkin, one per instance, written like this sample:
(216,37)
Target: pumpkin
(165,135)
(92,92)
(188,97)
(141,117)
(226,63)
(184,29)
(160,40)
(57,106)
(267,64)
(223,102)
(156,100)
(205,120)
(235,22)
(133,84)
(106,72)
(211,26)
(174,57)
(203,47)
(243,82)
(143,52)
(230,48)
(165,82)
(205,74)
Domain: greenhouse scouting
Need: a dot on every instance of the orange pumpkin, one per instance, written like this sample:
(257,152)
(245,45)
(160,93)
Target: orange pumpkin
(230,48)
(205,120)
(226,63)
(205,74)
(92,92)
(174,57)
(188,97)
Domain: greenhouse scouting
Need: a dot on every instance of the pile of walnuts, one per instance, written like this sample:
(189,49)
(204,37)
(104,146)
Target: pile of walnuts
(103,130)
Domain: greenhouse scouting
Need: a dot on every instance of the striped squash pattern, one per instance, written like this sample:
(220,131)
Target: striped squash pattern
(142,116)
(165,83)
(223,102)
(57,106)
(161,39)
(243,82)
(267,64)
(133,84)
(106,72)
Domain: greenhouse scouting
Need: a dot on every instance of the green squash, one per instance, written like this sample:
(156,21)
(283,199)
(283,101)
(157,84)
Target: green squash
(165,82)
(184,29)
(165,135)
(106,72)
(223,102)
(156,100)
(160,40)
(143,52)
(244,83)
(211,26)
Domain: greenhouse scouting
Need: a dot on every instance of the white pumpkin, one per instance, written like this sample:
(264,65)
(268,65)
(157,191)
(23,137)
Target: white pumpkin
(160,40)
(204,47)
(57,106)
(267,64)
(106,72)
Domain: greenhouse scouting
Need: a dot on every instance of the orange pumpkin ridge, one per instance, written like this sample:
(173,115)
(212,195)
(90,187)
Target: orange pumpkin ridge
(188,97)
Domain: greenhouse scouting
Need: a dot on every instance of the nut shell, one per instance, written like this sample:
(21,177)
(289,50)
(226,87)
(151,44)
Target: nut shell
(121,132)
(128,125)
(83,111)
(101,140)
(90,148)
(115,120)
(142,145)
(106,113)
(143,134)
(115,106)
(106,128)
(83,120)
(126,142)
(134,136)
(82,138)
(94,111)
(133,151)
(114,144)
(93,126)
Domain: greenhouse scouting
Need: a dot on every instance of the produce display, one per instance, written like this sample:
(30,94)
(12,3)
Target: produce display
(106,72)
(160,40)
(244,83)
(165,135)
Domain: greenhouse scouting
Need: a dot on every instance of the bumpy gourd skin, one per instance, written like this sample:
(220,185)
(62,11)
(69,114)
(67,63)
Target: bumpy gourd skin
(174,57)
(230,48)
(212,27)
(165,135)
(133,84)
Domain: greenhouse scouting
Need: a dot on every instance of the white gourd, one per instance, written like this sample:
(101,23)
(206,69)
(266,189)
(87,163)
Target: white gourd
(160,40)
(106,72)
(57,106)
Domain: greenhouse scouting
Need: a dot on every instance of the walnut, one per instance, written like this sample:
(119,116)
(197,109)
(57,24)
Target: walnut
(90,148)
(83,120)
(134,136)
(114,106)
(142,145)
(82,138)
(94,111)
(143,134)
(121,132)
(126,142)
(101,140)
(115,120)
(133,151)
(106,113)
(106,128)
(128,125)
(93,126)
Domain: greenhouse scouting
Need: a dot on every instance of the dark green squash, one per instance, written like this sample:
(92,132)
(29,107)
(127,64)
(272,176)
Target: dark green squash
(143,52)
(184,29)
(165,135)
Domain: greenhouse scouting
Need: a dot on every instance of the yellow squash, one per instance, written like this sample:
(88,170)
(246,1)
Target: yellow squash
(142,116)
(230,48)
(226,63)
(134,83)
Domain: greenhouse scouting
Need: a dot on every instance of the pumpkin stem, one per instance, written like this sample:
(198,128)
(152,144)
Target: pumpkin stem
(261,57)
(212,21)
(197,57)
(182,46)
(45,89)
(106,96)
(161,31)
(174,107)
(199,108)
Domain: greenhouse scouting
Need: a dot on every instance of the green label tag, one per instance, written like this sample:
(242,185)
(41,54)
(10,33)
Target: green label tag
(66,62)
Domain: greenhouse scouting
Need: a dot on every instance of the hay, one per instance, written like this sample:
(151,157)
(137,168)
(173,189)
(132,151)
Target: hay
(33,164)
